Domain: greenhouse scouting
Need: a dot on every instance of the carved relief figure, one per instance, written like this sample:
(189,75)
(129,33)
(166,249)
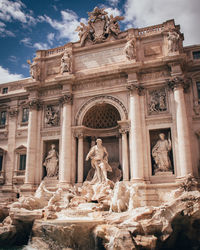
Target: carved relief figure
(113,26)
(51,162)
(158,102)
(173,38)
(34,70)
(160,153)
(130,49)
(66,62)
(99,161)
(52,117)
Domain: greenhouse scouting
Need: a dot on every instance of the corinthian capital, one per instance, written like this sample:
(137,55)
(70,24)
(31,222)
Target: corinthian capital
(66,98)
(179,82)
(13,111)
(135,88)
(35,104)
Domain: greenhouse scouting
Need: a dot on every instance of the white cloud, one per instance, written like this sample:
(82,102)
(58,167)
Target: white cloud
(50,38)
(113,2)
(41,46)
(13,59)
(25,66)
(67,26)
(6,76)
(26,41)
(141,13)
(113,11)
(4,32)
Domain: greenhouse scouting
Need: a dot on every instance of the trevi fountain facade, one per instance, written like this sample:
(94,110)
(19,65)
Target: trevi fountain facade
(100,147)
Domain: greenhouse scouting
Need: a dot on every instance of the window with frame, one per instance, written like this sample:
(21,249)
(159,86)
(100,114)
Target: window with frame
(196,55)
(22,162)
(25,114)
(198,90)
(4,90)
(2,118)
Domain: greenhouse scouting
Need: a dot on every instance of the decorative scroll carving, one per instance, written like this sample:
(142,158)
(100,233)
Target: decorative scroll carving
(130,49)
(100,27)
(52,115)
(66,62)
(35,70)
(67,98)
(173,38)
(157,102)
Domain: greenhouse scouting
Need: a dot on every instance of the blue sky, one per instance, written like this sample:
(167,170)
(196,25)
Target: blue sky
(29,25)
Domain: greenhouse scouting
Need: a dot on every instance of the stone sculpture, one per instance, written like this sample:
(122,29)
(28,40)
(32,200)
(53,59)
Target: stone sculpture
(51,162)
(130,50)
(158,101)
(52,117)
(160,153)
(66,62)
(34,70)
(173,38)
(100,26)
(99,161)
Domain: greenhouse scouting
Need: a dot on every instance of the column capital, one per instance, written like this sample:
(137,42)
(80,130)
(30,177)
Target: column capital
(35,104)
(123,130)
(66,98)
(80,135)
(179,82)
(13,111)
(124,126)
(133,88)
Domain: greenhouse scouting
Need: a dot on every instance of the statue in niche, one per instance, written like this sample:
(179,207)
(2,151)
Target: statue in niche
(66,62)
(160,153)
(157,101)
(34,70)
(52,116)
(130,49)
(173,38)
(51,162)
(99,161)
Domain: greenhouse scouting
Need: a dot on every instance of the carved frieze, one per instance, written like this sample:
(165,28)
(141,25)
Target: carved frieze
(50,92)
(49,133)
(154,75)
(52,115)
(157,101)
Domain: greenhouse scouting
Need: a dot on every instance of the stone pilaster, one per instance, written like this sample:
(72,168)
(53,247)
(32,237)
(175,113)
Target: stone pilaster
(66,141)
(12,124)
(32,143)
(73,172)
(135,138)
(80,158)
(178,85)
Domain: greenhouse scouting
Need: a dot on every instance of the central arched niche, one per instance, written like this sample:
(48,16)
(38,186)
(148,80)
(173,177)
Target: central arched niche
(101,121)
(101,116)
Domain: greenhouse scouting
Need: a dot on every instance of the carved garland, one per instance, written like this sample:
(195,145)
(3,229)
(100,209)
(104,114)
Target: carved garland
(99,98)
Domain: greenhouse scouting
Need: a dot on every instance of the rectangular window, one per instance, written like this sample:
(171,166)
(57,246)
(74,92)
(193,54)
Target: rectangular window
(1,162)
(198,90)
(2,117)
(4,90)
(22,163)
(25,114)
(196,55)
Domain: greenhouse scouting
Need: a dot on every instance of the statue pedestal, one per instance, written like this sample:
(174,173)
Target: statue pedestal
(51,183)
(166,173)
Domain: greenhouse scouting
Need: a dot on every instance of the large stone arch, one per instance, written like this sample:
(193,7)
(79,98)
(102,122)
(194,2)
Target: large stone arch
(98,100)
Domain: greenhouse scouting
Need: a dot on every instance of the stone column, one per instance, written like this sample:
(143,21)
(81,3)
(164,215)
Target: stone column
(125,165)
(73,173)
(80,158)
(66,141)
(31,143)
(184,149)
(135,138)
(9,167)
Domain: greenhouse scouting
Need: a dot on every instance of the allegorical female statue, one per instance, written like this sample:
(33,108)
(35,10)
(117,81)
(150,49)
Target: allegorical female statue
(51,162)
(99,161)
(160,153)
